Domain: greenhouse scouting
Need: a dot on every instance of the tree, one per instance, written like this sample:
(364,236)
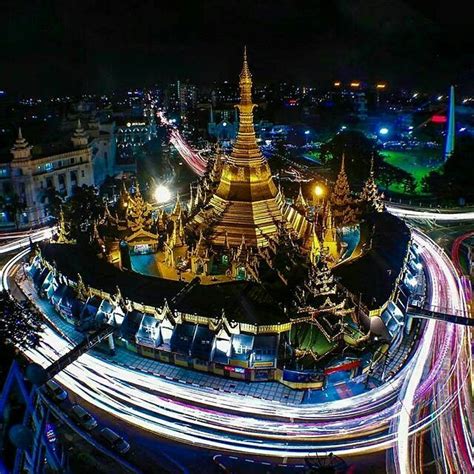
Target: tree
(55,202)
(81,210)
(455,179)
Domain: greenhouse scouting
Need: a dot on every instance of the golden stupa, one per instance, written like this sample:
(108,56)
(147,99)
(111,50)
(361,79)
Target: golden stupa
(247,204)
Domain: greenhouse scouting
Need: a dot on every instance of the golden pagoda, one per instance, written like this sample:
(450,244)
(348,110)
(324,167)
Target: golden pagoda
(246,202)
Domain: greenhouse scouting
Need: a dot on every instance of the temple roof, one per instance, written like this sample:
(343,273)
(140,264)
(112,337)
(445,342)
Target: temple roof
(373,275)
(241,301)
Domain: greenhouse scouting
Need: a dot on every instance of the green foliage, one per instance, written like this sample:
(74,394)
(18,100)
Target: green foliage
(55,202)
(81,210)
(358,150)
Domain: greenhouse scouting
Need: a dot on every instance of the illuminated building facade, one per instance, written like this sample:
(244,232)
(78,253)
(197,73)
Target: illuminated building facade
(249,286)
(33,172)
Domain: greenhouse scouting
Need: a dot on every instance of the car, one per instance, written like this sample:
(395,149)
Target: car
(83,418)
(114,441)
(55,391)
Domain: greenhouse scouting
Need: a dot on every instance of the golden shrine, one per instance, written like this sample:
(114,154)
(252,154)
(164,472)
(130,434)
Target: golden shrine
(246,203)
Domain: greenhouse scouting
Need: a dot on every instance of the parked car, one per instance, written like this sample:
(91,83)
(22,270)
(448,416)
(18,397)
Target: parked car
(55,391)
(114,441)
(83,418)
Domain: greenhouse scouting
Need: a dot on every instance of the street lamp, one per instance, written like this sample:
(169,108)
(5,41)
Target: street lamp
(162,194)
(319,192)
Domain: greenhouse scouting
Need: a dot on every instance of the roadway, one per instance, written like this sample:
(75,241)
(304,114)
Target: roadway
(225,422)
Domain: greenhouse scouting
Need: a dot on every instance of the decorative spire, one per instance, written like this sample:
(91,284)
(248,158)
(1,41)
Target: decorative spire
(79,139)
(329,229)
(177,206)
(63,234)
(200,249)
(370,195)
(21,150)
(341,198)
(300,202)
(315,245)
(226,240)
(246,151)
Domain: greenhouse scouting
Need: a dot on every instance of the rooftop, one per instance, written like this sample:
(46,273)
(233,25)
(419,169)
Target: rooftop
(241,301)
(374,274)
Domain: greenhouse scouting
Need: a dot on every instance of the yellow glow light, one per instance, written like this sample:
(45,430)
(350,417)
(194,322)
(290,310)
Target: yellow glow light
(381,86)
(355,84)
(337,84)
(162,194)
(318,190)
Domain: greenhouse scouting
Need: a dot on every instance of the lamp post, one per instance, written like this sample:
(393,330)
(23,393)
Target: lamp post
(319,192)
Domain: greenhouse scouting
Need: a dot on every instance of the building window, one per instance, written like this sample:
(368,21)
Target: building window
(82,173)
(72,161)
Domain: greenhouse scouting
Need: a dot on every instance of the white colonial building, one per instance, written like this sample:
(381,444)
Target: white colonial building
(85,159)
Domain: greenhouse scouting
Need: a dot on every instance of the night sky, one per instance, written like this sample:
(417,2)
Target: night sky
(82,45)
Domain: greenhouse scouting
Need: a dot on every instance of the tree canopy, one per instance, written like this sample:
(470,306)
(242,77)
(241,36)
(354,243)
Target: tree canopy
(358,150)
(455,180)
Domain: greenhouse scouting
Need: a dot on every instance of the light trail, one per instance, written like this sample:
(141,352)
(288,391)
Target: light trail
(449,356)
(412,213)
(35,236)
(230,422)
(194,159)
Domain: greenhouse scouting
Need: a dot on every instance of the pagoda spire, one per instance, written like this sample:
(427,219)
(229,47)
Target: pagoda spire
(79,139)
(341,198)
(315,245)
(300,202)
(370,195)
(177,206)
(246,151)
